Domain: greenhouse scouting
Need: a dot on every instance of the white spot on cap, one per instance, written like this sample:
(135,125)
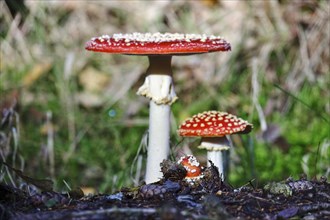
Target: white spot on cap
(160,37)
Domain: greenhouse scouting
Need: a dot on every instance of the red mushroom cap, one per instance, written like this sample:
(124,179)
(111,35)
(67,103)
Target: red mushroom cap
(214,124)
(157,44)
(191,165)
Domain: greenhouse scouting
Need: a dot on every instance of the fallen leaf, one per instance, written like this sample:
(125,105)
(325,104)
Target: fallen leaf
(35,73)
(210,3)
(89,99)
(88,190)
(93,80)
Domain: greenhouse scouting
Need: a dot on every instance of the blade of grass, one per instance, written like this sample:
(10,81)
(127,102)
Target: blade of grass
(319,114)
(316,158)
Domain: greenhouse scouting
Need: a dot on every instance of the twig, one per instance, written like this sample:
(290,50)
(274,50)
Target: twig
(258,198)
(67,99)
(263,124)
(114,210)
(138,159)
(255,94)
(50,143)
(16,135)
(67,185)
(314,207)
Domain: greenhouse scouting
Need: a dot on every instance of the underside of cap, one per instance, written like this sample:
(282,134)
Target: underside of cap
(157,44)
(214,143)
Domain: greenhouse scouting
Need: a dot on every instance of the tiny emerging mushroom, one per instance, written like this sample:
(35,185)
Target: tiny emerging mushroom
(192,166)
(158,85)
(212,127)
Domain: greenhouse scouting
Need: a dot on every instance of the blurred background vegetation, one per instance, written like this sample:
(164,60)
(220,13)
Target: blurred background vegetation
(73,116)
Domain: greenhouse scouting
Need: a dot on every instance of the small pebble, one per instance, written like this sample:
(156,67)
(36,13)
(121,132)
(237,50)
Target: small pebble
(117,196)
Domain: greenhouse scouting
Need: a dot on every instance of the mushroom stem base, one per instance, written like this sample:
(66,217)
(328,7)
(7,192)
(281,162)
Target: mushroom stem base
(159,140)
(218,159)
(217,148)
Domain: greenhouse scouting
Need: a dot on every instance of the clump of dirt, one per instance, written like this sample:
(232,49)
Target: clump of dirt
(176,197)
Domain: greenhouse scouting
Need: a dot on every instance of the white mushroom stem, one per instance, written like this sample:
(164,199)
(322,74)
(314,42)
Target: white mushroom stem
(216,147)
(158,87)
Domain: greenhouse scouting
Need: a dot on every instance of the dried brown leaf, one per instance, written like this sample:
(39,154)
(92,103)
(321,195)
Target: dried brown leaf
(93,80)
(35,73)
(89,99)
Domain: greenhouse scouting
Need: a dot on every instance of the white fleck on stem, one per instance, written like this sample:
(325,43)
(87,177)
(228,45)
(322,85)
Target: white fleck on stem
(216,147)
(158,87)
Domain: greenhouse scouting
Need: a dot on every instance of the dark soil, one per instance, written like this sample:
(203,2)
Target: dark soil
(175,198)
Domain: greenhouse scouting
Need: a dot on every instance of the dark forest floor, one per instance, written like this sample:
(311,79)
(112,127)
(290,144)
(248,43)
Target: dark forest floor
(175,198)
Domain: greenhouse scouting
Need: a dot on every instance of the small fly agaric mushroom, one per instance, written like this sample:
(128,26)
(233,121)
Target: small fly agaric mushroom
(213,126)
(158,85)
(192,166)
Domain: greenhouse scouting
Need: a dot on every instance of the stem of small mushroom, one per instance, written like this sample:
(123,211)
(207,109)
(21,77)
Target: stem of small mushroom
(158,87)
(216,147)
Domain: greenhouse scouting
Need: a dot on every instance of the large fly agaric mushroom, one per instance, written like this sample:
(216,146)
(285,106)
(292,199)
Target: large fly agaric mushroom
(213,126)
(158,85)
